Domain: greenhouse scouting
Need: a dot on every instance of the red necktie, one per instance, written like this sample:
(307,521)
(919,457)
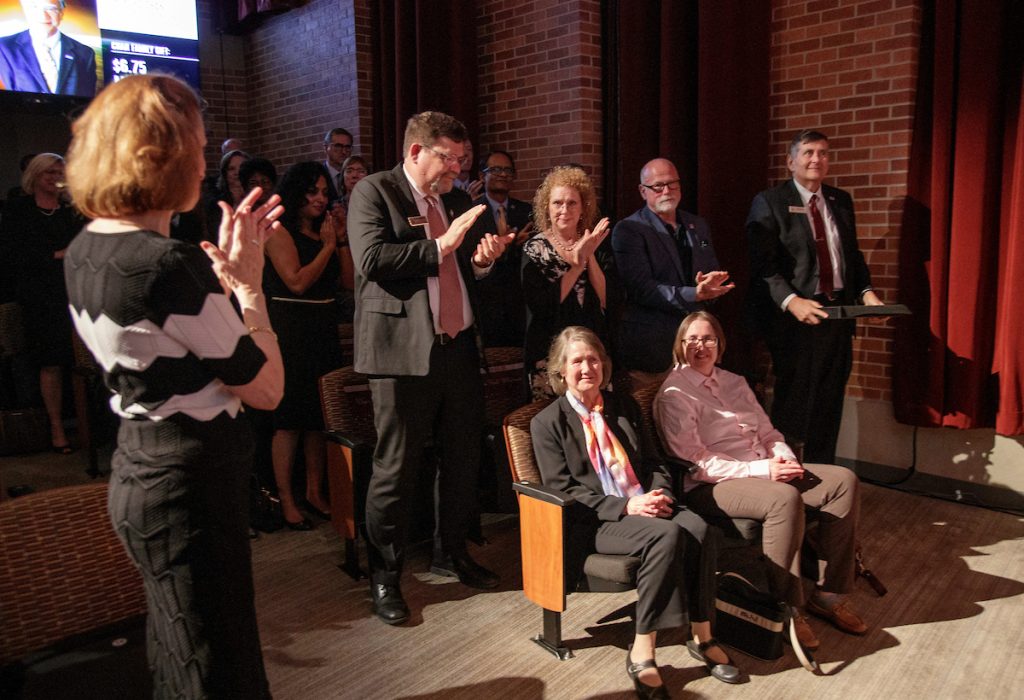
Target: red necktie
(450,301)
(821,243)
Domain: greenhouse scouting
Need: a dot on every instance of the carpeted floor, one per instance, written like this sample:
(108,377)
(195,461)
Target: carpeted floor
(952,625)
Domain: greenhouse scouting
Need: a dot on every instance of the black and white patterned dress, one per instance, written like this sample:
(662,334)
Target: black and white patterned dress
(169,342)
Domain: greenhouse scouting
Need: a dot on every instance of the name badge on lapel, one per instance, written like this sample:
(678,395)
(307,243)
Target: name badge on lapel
(417,220)
(797,210)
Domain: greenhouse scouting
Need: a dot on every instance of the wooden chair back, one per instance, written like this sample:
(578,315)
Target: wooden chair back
(64,571)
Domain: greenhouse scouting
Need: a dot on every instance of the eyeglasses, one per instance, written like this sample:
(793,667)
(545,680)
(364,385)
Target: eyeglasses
(500,170)
(340,147)
(448,158)
(355,171)
(708,341)
(659,187)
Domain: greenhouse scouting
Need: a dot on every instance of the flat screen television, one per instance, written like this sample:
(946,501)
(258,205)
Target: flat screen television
(69,49)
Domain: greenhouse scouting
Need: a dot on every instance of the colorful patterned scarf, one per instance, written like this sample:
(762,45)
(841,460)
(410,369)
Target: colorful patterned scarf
(610,461)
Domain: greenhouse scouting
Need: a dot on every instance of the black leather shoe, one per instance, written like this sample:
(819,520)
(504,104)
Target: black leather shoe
(727,673)
(644,691)
(388,603)
(462,567)
(302,526)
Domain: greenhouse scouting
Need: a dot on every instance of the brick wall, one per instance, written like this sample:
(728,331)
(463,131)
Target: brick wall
(540,85)
(222,79)
(849,68)
(302,81)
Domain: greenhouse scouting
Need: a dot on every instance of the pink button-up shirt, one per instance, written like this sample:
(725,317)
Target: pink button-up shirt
(717,424)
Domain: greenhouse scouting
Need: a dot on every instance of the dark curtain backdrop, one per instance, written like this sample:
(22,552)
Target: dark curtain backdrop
(959,361)
(689,80)
(425,59)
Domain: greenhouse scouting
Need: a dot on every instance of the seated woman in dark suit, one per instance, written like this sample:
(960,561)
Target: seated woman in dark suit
(588,444)
(743,468)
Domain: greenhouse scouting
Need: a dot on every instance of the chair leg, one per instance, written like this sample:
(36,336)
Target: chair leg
(351,564)
(868,575)
(551,639)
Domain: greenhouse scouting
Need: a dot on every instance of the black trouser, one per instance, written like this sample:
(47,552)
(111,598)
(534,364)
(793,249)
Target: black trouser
(179,502)
(811,366)
(678,556)
(447,407)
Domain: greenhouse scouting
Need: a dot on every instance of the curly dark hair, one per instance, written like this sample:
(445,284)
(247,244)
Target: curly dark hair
(295,184)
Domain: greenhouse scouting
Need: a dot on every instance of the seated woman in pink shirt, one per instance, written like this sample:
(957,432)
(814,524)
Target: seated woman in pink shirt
(743,468)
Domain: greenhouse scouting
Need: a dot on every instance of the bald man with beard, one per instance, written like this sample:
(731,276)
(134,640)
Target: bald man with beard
(668,268)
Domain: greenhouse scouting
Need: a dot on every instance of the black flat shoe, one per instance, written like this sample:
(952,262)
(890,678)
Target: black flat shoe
(644,691)
(302,526)
(727,673)
(323,515)
(388,603)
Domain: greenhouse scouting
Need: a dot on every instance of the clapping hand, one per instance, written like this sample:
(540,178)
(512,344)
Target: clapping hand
(713,284)
(238,257)
(490,248)
(583,251)
(452,238)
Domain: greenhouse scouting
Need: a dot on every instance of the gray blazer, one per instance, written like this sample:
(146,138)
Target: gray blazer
(394,329)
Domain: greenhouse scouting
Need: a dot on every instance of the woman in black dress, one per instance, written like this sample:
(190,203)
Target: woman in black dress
(179,362)
(564,282)
(36,230)
(302,282)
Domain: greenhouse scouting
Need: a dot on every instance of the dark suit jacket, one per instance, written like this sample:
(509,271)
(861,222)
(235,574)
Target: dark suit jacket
(560,448)
(19,67)
(394,329)
(652,275)
(502,309)
(783,258)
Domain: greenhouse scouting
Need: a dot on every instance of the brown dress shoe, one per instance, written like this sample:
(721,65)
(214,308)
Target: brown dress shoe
(804,633)
(841,615)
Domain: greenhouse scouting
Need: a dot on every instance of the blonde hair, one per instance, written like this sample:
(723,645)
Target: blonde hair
(35,168)
(135,149)
(565,176)
(679,352)
(556,356)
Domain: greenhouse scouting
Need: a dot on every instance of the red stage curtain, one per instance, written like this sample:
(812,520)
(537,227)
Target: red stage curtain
(689,80)
(958,361)
(426,55)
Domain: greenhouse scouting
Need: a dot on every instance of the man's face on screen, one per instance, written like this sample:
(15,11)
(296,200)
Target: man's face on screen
(43,16)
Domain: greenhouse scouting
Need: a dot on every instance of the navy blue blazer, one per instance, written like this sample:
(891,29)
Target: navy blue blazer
(19,67)
(502,308)
(657,298)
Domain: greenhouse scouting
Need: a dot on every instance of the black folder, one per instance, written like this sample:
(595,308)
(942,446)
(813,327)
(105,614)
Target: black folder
(862,311)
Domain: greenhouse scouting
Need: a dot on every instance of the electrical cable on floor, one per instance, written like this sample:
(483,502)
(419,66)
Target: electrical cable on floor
(959,496)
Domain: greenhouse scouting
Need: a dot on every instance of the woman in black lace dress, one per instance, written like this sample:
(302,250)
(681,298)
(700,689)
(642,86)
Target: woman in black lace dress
(564,280)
